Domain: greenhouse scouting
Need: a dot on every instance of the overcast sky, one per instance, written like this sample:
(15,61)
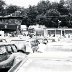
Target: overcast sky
(24,3)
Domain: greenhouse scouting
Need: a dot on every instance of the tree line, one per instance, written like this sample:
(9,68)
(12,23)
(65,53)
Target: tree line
(52,15)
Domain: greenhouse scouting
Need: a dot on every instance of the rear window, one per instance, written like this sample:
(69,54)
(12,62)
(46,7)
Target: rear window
(2,49)
(9,48)
(14,48)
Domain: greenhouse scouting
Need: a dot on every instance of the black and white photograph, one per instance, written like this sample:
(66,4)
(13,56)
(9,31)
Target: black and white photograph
(35,35)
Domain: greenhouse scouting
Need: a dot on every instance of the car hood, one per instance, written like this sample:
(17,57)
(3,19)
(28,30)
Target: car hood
(46,62)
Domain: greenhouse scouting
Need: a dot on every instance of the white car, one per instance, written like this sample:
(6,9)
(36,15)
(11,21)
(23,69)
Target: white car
(18,42)
(45,62)
(56,58)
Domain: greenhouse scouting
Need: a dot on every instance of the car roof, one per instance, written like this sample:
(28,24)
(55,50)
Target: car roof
(3,43)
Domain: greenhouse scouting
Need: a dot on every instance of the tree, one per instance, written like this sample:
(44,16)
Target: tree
(29,16)
(41,19)
(62,9)
(23,12)
(32,13)
(68,4)
(52,12)
(62,2)
(11,9)
(43,6)
(54,5)
(52,17)
(2,5)
(26,21)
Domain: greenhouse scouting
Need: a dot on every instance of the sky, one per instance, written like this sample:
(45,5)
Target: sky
(25,3)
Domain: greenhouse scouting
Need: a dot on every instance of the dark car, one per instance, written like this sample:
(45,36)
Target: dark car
(6,49)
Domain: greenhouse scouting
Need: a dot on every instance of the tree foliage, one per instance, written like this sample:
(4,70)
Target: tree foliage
(11,9)
(43,6)
(44,13)
(2,4)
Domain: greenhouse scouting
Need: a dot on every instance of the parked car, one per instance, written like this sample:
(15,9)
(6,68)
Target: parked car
(56,58)
(45,62)
(18,42)
(6,49)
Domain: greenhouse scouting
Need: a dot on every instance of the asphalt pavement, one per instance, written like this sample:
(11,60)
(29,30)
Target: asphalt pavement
(52,60)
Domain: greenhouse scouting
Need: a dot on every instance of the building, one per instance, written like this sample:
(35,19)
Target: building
(10,23)
(58,32)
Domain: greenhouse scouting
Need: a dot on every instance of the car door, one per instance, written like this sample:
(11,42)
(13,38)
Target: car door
(3,53)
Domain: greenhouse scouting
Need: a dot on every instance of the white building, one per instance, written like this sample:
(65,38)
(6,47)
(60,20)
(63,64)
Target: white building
(54,32)
(1,33)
